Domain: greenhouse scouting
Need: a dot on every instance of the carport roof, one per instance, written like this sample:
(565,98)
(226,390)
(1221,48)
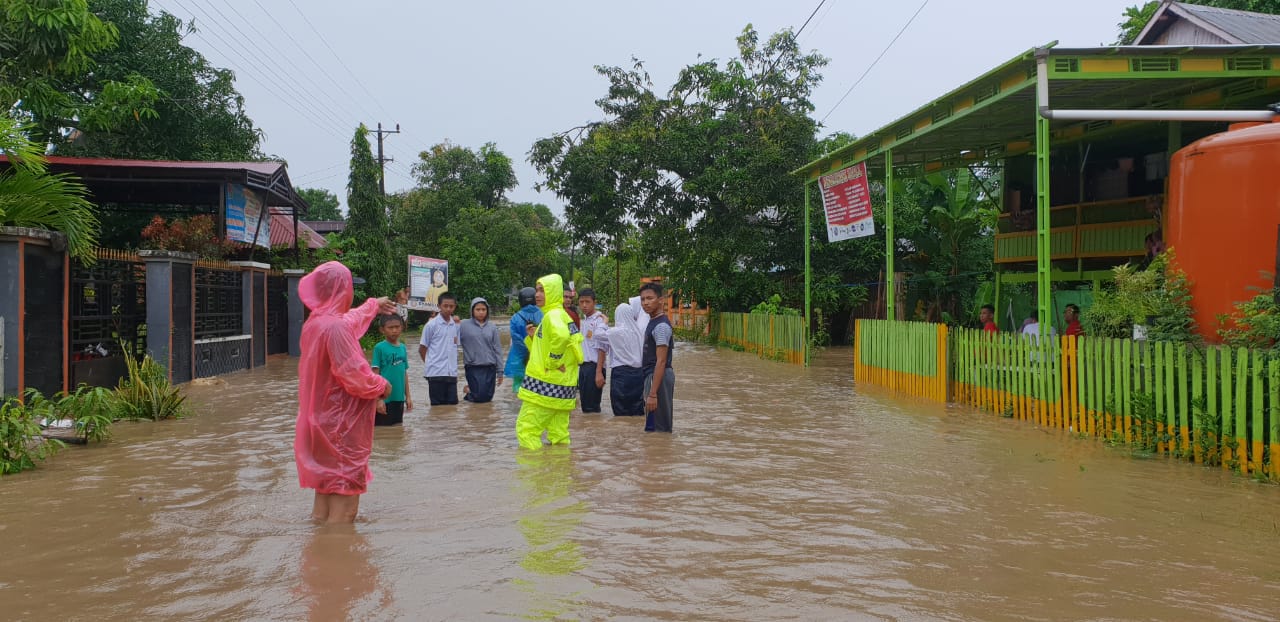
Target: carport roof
(993,116)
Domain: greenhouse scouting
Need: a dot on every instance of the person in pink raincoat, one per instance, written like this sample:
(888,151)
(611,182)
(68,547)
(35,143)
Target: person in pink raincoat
(337,394)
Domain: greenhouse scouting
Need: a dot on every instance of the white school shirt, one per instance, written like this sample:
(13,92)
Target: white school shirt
(593,329)
(441,339)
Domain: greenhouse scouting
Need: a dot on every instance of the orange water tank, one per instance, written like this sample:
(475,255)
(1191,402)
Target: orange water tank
(1223,217)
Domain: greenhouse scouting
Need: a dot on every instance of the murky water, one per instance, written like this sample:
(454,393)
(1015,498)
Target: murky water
(783,495)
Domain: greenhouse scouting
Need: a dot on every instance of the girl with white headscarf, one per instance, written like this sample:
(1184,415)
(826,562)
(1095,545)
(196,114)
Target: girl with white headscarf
(625,342)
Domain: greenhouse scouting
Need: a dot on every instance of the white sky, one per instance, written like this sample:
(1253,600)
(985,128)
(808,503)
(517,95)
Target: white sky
(512,72)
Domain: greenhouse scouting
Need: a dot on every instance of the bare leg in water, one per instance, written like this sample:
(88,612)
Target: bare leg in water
(333,509)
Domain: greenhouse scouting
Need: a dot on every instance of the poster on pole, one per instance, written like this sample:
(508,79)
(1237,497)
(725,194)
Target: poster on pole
(428,278)
(847,201)
(244,214)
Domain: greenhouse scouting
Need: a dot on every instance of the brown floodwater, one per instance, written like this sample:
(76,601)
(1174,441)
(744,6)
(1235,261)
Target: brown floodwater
(783,494)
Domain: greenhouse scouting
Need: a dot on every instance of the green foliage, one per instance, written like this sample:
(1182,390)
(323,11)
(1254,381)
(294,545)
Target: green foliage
(21,444)
(1158,297)
(367,223)
(323,204)
(703,169)
(30,197)
(48,71)
(147,394)
(952,243)
(773,306)
(307,258)
(91,409)
(198,114)
(1136,17)
(1255,324)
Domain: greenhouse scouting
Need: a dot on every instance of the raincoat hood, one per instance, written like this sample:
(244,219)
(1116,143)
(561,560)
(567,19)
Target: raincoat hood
(328,289)
(553,290)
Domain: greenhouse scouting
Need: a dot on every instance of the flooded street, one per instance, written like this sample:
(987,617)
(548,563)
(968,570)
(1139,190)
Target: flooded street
(783,494)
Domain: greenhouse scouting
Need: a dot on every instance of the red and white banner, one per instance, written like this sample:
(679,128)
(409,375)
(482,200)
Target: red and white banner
(847,201)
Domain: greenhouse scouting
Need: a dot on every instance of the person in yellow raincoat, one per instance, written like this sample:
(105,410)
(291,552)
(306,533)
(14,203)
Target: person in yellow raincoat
(550,387)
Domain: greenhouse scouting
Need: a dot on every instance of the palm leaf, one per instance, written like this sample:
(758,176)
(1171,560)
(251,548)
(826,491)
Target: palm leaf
(53,202)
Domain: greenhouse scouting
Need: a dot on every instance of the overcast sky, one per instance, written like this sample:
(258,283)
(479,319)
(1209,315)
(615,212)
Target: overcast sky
(511,72)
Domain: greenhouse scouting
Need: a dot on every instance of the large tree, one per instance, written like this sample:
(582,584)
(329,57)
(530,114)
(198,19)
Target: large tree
(703,168)
(48,52)
(199,115)
(1137,16)
(323,204)
(31,197)
(367,219)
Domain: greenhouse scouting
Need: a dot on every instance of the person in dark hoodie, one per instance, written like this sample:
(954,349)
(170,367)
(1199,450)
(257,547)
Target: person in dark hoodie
(481,353)
(518,356)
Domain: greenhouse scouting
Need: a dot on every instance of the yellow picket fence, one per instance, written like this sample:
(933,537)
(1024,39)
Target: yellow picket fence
(907,357)
(776,337)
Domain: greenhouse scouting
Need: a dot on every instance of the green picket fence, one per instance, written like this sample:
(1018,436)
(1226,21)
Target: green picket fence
(777,337)
(908,357)
(1215,405)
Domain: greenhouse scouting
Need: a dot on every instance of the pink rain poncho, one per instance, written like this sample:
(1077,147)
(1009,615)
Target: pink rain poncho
(337,391)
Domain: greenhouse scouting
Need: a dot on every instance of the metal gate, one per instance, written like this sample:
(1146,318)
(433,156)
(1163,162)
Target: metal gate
(277,314)
(108,317)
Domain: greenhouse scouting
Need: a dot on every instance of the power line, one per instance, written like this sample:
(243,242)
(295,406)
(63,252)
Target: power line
(874,62)
(806,21)
(821,18)
(305,53)
(339,58)
(300,85)
(307,113)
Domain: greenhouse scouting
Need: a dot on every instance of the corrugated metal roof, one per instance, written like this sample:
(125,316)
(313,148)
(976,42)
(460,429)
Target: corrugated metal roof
(282,232)
(1244,26)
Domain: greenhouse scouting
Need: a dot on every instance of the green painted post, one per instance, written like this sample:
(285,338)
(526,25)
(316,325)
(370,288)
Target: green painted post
(1211,389)
(888,237)
(1227,420)
(1259,368)
(1242,408)
(1042,218)
(1197,391)
(1127,389)
(808,275)
(1160,388)
(1184,404)
(1109,350)
(1170,392)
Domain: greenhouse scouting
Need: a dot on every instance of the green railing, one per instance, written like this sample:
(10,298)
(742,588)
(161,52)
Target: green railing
(776,337)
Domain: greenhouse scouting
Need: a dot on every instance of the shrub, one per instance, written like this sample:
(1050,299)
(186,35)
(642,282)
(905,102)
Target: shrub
(195,234)
(146,393)
(1255,324)
(1158,296)
(21,444)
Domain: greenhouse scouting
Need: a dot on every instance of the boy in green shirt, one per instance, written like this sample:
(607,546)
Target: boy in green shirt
(391,361)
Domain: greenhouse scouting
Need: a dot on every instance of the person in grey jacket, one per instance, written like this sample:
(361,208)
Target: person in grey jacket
(481,353)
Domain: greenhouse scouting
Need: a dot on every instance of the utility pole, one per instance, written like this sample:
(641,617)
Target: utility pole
(382,167)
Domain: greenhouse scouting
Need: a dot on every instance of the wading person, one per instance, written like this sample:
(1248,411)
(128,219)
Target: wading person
(337,394)
(438,349)
(550,387)
(518,356)
(626,363)
(391,361)
(659,377)
(591,375)
(481,353)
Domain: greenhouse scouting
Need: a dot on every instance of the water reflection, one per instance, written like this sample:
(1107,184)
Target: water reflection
(548,519)
(338,575)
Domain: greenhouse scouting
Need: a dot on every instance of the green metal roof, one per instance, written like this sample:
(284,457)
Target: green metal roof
(993,116)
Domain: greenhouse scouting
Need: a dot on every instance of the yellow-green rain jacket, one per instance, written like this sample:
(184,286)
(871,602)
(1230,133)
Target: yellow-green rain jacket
(555,351)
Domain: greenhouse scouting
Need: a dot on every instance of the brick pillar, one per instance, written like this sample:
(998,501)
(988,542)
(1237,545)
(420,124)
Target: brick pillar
(171,313)
(297,313)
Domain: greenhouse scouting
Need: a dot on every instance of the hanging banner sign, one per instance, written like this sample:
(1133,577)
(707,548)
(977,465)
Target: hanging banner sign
(847,201)
(245,212)
(428,278)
